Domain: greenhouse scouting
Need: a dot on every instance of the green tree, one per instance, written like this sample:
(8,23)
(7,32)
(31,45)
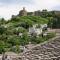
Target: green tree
(2,30)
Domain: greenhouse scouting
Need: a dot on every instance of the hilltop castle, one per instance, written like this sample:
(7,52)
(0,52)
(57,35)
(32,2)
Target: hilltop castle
(43,13)
(25,13)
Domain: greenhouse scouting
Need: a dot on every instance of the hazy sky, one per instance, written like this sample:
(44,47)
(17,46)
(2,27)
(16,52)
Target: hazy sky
(12,7)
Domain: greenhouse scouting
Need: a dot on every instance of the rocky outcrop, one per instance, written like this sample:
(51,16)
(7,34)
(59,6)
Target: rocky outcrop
(47,51)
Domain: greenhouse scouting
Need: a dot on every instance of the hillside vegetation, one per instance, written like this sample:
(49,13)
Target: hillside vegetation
(9,32)
(29,20)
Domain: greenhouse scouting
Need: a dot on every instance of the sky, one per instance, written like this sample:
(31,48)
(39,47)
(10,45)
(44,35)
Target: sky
(12,7)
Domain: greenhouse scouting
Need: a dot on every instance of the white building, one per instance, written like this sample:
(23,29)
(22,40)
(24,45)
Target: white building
(43,26)
(35,31)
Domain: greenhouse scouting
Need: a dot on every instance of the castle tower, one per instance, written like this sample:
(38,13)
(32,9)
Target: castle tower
(24,8)
(23,12)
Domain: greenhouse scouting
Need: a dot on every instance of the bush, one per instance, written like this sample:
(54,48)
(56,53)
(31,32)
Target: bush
(16,49)
(51,35)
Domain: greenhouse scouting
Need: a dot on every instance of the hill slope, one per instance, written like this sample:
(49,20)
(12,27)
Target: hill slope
(46,51)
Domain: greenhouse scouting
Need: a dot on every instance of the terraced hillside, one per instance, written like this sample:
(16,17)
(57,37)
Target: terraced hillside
(47,51)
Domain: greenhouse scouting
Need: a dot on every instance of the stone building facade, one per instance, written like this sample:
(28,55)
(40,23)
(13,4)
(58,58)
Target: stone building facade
(37,13)
(23,12)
